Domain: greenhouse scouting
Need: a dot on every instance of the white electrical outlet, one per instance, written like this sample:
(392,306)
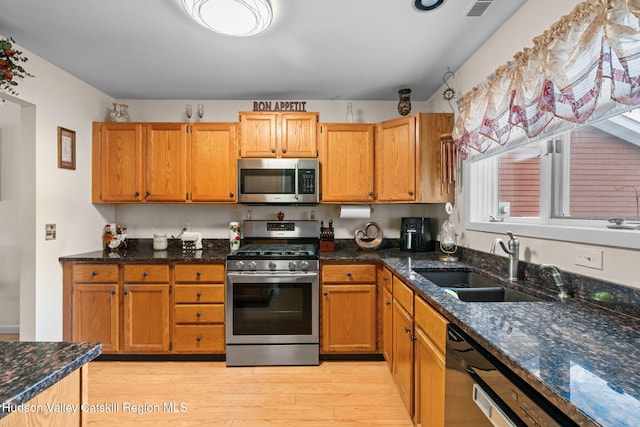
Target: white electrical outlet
(186,225)
(588,257)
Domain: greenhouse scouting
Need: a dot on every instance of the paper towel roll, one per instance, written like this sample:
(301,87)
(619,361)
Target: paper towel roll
(355,211)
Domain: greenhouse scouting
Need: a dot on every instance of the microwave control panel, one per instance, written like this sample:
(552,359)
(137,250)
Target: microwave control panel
(307,181)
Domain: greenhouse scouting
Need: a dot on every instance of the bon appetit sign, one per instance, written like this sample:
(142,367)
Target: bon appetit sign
(279,105)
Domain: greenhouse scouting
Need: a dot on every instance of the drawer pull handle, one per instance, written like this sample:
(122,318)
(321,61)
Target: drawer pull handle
(145,274)
(407,330)
(94,273)
(198,314)
(198,338)
(198,294)
(198,273)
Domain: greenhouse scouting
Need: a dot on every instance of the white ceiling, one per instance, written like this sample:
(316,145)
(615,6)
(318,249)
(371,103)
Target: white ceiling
(319,50)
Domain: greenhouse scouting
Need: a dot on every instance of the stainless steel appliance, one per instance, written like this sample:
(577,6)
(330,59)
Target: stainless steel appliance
(480,391)
(272,295)
(278,181)
(415,234)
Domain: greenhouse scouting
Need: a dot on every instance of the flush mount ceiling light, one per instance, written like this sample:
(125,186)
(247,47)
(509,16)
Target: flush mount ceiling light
(231,17)
(426,5)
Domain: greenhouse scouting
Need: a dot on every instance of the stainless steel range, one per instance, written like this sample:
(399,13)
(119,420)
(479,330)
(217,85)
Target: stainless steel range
(272,295)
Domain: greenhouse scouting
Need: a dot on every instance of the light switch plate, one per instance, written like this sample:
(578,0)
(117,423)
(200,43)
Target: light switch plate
(589,257)
(50,232)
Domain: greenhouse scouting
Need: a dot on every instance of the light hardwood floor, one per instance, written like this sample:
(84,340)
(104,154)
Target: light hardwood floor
(333,394)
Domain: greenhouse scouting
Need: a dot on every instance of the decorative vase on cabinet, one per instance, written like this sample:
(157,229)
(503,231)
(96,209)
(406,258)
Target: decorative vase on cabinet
(404,105)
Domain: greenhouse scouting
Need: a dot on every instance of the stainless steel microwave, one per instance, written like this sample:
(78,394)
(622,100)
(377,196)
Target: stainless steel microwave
(278,181)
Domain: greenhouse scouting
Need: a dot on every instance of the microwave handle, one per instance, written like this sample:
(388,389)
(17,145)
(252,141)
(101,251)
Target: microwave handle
(295,181)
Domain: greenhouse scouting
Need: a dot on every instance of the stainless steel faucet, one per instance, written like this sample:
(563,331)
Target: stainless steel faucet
(557,279)
(513,250)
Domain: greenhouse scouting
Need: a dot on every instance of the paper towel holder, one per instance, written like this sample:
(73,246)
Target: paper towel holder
(339,209)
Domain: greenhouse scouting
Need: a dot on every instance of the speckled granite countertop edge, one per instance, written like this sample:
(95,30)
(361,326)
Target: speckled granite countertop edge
(29,368)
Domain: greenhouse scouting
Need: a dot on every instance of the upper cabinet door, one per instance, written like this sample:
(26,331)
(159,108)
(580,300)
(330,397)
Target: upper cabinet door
(166,155)
(346,159)
(213,162)
(298,135)
(279,135)
(258,134)
(117,162)
(396,160)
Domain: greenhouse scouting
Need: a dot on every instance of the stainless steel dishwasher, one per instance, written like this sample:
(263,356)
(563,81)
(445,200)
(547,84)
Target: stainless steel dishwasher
(480,391)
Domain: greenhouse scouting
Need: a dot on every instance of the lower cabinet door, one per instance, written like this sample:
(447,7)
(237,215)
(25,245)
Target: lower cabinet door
(199,339)
(429,386)
(146,318)
(387,327)
(403,354)
(96,316)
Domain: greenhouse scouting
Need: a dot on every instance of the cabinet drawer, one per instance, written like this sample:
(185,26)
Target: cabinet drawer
(432,323)
(146,273)
(199,273)
(95,273)
(199,293)
(349,273)
(199,339)
(403,294)
(199,313)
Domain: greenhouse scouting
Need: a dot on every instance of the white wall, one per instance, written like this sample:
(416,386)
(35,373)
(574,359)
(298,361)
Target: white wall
(620,265)
(51,195)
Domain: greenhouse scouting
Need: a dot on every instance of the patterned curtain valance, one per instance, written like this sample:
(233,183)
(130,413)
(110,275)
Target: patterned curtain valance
(559,78)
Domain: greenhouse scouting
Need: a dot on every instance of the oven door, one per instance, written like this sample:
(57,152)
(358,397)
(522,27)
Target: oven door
(272,308)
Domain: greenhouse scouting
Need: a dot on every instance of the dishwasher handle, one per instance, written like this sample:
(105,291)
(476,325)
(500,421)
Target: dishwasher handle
(490,408)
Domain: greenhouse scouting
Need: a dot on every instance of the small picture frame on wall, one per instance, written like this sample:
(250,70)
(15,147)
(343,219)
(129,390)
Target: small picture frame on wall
(66,148)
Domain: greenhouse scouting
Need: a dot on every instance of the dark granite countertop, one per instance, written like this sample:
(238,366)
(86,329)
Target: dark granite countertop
(580,356)
(28,368)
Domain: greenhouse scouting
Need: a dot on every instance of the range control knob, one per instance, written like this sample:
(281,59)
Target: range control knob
(272,265)
(252,265)
(304,265)
(240,265)
(292,265)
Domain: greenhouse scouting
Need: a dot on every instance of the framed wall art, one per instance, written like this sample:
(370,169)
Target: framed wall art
(66,148)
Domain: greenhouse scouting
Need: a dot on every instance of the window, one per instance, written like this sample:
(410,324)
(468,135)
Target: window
(567,187)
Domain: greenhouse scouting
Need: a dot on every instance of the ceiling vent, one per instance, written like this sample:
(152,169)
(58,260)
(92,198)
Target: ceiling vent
(479,7)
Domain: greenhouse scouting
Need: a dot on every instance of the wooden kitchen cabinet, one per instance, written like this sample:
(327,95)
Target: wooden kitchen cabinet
(166,162)
(412,141)
(146,308)
(430,350)
(199,309)
(278,134)
(349,309)
(387,316)
(96,302)
(117,164)
(347,162)
(213,153)
(403,336)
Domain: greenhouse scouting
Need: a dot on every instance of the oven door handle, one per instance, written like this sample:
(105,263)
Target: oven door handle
(272,278)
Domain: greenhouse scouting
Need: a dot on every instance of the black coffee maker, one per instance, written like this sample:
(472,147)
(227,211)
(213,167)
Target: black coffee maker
(415,235)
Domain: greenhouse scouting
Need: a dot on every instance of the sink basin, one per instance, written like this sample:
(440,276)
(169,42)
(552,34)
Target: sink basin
(474,287)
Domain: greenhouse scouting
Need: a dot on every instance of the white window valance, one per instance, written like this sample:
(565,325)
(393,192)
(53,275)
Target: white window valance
(560,78)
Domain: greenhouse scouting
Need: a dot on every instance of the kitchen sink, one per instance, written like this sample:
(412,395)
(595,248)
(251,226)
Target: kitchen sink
(474,287)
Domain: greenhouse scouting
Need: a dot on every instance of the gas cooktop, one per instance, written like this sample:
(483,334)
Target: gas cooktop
(275,250)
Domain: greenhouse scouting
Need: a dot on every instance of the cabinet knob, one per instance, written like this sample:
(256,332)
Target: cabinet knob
(198,294)
(414,338)
(388,302)
(407,330)
(198,338)
(126,293)
(410,192)
(113,292)
(94,273)
(325,294)
(371,194)
(284,149)
(349,274)
(273,150)
(137,193)
(145,274)
(148,193)
(386,279)
(231,194)
(198,274)
(198,314)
